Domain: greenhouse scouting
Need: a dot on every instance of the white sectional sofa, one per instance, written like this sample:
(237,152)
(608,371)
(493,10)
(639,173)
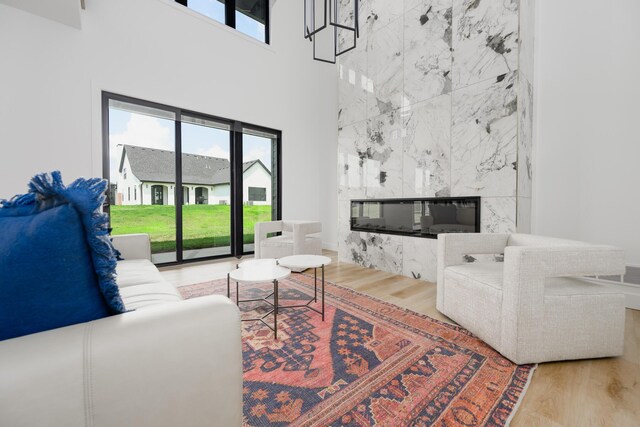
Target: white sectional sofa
(167,363)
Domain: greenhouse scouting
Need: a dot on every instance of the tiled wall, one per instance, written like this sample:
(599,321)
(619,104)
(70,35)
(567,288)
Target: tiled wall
(432,103)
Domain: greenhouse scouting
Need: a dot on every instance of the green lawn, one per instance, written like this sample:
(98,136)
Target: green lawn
(203,226)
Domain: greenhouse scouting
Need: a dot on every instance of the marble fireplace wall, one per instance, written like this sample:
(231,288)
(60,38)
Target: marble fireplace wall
(432,102)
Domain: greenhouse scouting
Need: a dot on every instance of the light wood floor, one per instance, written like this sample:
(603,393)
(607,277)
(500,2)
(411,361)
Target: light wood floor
(600,392)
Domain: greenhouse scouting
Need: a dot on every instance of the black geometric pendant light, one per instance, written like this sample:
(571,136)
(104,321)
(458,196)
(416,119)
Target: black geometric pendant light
(332,26)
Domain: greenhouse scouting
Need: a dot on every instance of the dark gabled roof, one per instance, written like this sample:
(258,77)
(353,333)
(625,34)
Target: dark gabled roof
(151,164)
(247,165)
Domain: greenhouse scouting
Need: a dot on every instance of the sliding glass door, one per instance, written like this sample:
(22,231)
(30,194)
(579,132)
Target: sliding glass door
(142,174)
(195,183)
(206,187)
(259,187)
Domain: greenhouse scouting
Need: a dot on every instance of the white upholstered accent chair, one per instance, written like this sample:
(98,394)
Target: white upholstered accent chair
(298,237)
(535,306)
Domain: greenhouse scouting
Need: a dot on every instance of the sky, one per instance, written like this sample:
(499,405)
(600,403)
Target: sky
(152,132)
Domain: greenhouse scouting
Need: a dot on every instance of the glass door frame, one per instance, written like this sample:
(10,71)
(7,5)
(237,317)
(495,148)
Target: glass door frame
(237,209)
(235,159)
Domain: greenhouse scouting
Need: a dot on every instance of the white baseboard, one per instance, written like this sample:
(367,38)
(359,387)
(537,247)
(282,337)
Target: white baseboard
(330,246)
(632,292)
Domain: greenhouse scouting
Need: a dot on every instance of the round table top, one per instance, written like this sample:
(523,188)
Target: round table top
(253,263)
(304,261)
(260,273)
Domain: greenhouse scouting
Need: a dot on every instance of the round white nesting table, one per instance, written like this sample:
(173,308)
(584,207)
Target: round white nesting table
(252,263)
(302,262)
(259,273)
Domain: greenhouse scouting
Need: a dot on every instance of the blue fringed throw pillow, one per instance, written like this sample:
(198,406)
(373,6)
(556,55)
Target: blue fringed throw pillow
(57,265)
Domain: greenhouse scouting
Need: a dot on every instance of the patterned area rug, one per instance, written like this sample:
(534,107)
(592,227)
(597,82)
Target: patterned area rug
(370,363)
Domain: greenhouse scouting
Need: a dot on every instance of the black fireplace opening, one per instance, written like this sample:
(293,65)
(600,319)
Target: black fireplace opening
(423,217)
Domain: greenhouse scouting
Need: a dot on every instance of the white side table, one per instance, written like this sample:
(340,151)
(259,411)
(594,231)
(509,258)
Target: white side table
(302,262)
(253,263)
(260,273)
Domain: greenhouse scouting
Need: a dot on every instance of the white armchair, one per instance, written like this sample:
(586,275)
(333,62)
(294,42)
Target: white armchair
(297,238)
(534,307)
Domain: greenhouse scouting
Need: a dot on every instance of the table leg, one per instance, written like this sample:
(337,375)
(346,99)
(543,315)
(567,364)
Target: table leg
(315,284)
(275,309)
(323,292)
(228,286)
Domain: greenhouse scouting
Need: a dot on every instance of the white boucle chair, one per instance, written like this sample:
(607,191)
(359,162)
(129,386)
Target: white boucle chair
(296,239)
(534,307)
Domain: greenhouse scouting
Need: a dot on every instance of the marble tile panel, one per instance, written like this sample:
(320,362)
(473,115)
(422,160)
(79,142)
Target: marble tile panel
(373,250)
(376,14)
(419,258)
(526,38)
(498,215)
(427,51)
(352,87)
(352,149)
(484,138)
(344,229)
(382,156)
(346,17)
(484,40)
(384,69)
(525,137)
(426,148)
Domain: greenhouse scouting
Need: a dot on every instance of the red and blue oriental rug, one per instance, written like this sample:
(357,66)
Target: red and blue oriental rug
(370,363)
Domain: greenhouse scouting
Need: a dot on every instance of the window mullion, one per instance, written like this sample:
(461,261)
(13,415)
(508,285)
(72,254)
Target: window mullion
(230,13)
(177,195)
(237,217)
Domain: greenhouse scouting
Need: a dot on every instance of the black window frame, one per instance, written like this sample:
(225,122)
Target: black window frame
(230,17)
(236,185)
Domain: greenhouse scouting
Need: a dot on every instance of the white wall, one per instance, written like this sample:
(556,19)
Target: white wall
(52,75)
(126,185)
(587,161)
(220,192)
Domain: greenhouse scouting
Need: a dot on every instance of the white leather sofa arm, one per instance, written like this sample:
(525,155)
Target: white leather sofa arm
(452,248)
(176,364)
(133,246)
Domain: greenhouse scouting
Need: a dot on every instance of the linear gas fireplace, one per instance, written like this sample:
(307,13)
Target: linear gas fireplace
(425,217)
